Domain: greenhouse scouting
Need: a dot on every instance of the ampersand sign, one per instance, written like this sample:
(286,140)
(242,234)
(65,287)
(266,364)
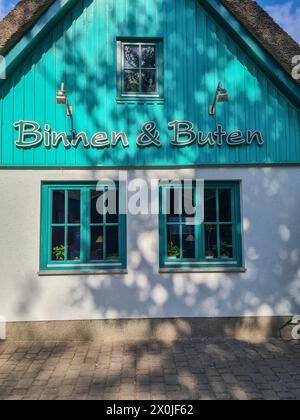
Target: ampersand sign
(149,136)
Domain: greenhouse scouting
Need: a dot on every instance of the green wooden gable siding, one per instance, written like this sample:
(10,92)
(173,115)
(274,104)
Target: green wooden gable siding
(81,51)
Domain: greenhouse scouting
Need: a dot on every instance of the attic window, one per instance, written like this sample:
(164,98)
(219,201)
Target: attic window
(140,69)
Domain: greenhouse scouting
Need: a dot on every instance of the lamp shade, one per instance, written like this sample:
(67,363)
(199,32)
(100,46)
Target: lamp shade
(222,96)
(99,240)
(61,96)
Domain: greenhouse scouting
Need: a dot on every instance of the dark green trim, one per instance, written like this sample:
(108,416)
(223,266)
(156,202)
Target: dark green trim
(201,262)
(203,270)
(48,273)
(84,263)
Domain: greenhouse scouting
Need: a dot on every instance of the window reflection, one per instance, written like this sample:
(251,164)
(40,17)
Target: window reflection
(58,244)
(225,205)
(149,57)
(74,207)
(188,245)
(173,241)
(139,68)
(226,244)
(58,207)
(112,243)
(96,206)
(131,56)
(97,243)
(211,247)
(210,201)
(73,243)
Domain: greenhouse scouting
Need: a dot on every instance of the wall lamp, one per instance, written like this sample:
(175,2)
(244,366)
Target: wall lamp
(220,96)
(62,99)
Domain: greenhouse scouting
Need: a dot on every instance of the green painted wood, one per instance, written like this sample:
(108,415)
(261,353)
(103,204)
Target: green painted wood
(84,262)
(198,52)
(200,260)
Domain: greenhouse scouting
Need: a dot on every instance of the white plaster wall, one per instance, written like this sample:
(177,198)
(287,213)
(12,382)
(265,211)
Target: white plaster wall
(271,285)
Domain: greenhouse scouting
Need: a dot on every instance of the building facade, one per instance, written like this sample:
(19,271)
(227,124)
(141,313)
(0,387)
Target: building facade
(139,78)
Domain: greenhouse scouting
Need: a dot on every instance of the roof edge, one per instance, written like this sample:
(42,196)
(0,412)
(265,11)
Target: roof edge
(21,18)
(226,12)
(278,43)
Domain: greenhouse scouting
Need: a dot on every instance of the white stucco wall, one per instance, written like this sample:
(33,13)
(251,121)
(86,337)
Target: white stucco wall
(271,285)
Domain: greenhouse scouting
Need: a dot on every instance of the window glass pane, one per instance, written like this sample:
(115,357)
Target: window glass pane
(173,204)
(173,241)
(131,81)
(210,206)
(58,207)
(96,206)
(149,81)
(131,56)
(226,241)
(225,205)
(149,56)
(113,206)
(58,241)
(74,207)
(211,248)
(97,243)
(73,243)
(188,244)
(112,243)
(188,204)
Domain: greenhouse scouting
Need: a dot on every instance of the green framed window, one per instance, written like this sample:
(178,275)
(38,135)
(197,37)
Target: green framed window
(213,240)
(140,68)
(79,230)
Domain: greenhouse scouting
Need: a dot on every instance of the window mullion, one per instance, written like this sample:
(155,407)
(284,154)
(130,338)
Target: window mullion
(66,225)
(164,227)
(218,223)
(140,68)
(157,77)
(84,228)
(104,222)
(181,222)
(234,222)
(50,217)
(198,229)
(122,71)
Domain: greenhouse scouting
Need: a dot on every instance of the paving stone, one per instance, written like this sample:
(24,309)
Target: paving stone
(210,369)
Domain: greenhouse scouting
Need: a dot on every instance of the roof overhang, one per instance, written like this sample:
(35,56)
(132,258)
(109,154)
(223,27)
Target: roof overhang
(215,8)
(254,50)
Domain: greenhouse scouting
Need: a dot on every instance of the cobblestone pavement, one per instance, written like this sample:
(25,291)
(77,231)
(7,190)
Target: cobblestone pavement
(199,369)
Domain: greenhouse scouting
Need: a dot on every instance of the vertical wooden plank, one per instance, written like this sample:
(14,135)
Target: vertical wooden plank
(8,134)
(50,89)
(18,96)
(81,51)
(39,108)
(29,103)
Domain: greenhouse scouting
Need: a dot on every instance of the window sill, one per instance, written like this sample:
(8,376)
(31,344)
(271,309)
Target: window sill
(144,100)
(45,273)
(203,270)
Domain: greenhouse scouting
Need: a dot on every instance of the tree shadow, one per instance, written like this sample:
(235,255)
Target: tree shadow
(78,52)
(185,370)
